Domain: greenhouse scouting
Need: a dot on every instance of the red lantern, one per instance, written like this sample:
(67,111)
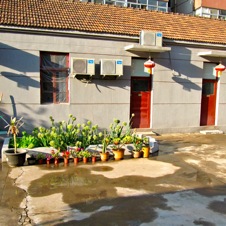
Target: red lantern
(148,65)
(219,68)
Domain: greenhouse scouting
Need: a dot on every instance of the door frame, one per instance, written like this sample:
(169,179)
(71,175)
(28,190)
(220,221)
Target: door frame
(150,79)
(206,114)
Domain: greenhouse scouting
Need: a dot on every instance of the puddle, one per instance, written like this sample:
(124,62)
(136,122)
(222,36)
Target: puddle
(102,168)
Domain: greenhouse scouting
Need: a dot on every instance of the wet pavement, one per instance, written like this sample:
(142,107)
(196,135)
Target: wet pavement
(184,185)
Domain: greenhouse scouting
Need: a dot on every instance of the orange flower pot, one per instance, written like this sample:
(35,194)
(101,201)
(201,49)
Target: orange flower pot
(104,156)
(118,153)
(76,160)
(56,161)
(66,161)
(85,160)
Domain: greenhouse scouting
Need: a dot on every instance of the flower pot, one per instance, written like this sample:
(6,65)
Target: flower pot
(118,153)
(145,151)
(47,161)
(15,159)
(66,161)
(31,161)
(94,158)
(85,159)
(104,156)
(136,154)
(40,161)
(76,160)
(56,161)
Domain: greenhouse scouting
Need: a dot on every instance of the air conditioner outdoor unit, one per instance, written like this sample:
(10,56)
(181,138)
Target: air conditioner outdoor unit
(82,66)
(150,38)
(111,67)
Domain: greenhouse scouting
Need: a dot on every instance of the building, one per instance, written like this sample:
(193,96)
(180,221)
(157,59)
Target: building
(88,60)
(205,8)
(159,5)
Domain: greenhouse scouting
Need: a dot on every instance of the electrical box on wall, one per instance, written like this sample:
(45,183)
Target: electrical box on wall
(151,38)
(82,66)
(111,67)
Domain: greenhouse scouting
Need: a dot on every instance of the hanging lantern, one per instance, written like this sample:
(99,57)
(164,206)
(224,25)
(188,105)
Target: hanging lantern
(219,68)
(148,65)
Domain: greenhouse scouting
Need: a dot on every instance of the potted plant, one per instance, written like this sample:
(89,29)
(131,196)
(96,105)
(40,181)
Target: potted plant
(75,154)
(94,157)
(118,149)
(104,154)
(15,156)
(85,155)
(138,144)
(120,134)
(56,155)
(40,157)
(66,155)
(48,158)
(146,147)
(31,160)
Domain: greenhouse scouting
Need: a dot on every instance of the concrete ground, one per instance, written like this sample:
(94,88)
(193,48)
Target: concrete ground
(184,185)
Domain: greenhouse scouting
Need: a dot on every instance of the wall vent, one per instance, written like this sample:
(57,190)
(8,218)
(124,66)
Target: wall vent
(111,67)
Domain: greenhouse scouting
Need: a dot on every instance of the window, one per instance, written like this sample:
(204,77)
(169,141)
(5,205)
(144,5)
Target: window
(54,77)
(211,13)
(222,14)
(140,85)
(160,5)
(208,88)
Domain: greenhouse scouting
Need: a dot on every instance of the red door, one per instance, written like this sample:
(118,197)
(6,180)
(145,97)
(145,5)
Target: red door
(140,101)
(208,104)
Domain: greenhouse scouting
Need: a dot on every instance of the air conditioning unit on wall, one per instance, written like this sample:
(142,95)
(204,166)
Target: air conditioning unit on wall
(82,66)
(111,67)
(151,38)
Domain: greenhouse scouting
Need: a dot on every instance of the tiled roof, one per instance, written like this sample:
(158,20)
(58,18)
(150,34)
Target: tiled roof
(89,17)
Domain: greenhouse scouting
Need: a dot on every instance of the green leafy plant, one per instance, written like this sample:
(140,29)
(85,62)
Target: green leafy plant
(74,153)
(105,141)
(86,154)
(128,139)
(88,134)
(40,156)
(27,141)
(120,133)
(137,143)
(146,141)
(55,154)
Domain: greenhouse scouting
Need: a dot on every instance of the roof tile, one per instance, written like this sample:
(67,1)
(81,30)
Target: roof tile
(89,17)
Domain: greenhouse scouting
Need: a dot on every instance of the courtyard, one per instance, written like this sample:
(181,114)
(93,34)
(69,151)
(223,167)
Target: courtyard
(185,184)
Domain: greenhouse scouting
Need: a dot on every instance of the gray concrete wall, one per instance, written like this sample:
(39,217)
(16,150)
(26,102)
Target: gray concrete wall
(100,100)
(177,89)
(177,83)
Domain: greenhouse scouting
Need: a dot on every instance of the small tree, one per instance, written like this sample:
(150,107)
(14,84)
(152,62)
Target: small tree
(14,126)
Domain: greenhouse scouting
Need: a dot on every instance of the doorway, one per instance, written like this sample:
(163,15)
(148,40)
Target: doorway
(208,103)
(140,101)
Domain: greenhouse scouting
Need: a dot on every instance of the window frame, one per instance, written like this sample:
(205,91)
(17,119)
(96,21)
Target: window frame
(55,92)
